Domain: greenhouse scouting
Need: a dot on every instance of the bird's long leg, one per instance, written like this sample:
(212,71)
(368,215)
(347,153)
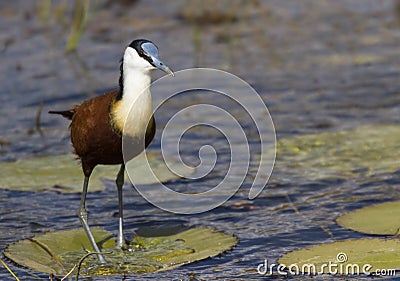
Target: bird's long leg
(83,217)
(120,182)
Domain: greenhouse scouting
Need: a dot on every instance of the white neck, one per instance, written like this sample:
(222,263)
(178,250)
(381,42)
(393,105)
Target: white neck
(134,111)
(136,86)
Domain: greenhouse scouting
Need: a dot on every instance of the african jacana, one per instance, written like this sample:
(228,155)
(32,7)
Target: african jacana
(97,125)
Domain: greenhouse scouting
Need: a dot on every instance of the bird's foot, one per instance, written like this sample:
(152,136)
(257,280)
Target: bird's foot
(122,245)
(126,245)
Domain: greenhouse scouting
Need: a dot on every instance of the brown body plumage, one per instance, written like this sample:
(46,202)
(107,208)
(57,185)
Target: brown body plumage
(95,137)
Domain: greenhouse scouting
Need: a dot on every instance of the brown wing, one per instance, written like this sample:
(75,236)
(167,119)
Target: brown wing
(93,137)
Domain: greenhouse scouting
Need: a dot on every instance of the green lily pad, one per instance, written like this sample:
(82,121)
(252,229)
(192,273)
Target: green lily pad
(154,249)
(369,255)
(64,174)
(362,152)
(380,219)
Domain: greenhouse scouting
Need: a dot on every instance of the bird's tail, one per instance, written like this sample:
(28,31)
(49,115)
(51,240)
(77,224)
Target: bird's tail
(65,113)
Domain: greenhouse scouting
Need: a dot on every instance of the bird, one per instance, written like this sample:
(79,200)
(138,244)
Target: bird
(99,124)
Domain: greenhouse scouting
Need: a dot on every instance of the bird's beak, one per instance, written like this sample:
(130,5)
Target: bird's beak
(162,66)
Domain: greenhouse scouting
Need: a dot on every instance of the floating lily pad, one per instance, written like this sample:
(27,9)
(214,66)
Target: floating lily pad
(64,174)
(365,254)
(362,152)
(381,219)
(154,249)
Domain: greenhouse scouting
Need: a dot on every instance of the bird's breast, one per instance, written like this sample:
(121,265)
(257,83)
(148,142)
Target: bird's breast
(132,116)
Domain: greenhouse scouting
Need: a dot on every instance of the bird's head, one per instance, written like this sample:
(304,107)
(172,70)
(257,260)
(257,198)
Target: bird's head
(142,55)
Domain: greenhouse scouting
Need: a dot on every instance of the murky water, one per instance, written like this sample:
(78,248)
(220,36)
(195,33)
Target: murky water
(319,65)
